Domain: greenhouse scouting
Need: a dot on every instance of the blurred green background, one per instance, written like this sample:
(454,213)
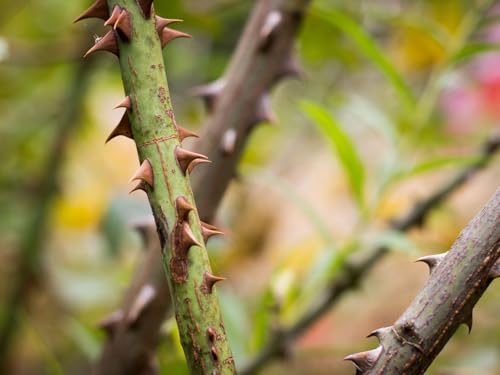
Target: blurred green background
(396,97)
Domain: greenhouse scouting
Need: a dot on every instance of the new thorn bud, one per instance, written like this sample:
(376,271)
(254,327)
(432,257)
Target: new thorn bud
(228,142)
(144,173)
(110,322)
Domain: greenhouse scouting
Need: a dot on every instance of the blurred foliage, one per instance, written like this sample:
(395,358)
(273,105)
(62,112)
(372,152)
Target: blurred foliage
(403,90)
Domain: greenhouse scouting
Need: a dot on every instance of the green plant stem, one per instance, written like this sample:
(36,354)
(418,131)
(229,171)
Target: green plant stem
(32,241)
(266,69)
(166,181)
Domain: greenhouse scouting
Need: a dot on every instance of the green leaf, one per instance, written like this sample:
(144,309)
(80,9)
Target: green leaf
(471,50)
(344,148)
(369,48)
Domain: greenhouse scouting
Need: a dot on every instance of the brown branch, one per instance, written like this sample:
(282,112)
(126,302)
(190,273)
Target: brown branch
(33,238)
(354,271)
(236,105)
(458,279)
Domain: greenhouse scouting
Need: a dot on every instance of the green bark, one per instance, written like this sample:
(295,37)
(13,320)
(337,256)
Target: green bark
(164,175)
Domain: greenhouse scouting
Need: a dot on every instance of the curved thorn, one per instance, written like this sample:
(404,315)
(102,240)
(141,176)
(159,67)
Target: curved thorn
(197,162)
(209,281)
(145,7)
(380,333)
(144,173)
(188,238)
(364,361)
(106,43)
(140,186)
(185,157)
(168,35)
(123,128)
(183,207)
(97,10)
(185,133)
(432,260)
(161,23)
(468,321)
(122,25)
(117,11)
(125,103)
(495,271)
(208,230)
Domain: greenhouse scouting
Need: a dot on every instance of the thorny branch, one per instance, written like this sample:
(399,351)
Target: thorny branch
(354,271)
(264,53)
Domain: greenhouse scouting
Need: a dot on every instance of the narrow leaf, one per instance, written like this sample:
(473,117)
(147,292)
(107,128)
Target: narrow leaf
(344,148)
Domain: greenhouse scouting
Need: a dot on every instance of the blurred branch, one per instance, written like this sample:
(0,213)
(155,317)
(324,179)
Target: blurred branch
(32,240)
(236,104)
(355,270)
(458,280)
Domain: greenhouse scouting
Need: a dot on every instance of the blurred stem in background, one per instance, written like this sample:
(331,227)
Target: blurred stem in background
(32,240)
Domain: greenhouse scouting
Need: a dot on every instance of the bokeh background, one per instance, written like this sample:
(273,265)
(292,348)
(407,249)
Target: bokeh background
(411,87)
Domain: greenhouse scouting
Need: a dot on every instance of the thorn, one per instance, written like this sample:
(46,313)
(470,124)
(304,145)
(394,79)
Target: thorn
(106,43)
(125,103)
(183,207)
(123,26)
(209,281)
(146,229)
(140,186)
(468,321)
(110,322)
(364,361)
(97,10)
(143,300)
(228,143)
(271,23)
(144,173)
(185,133)
(197,162)
(168,35)
(432,260)
(188,238)
(185,158)
(264,111)
(380,333)
(123,128)
(114,16)
(291,68)
(209,93)
(161,23)
(208,230)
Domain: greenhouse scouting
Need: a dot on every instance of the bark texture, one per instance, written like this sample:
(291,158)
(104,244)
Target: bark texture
(458,279)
